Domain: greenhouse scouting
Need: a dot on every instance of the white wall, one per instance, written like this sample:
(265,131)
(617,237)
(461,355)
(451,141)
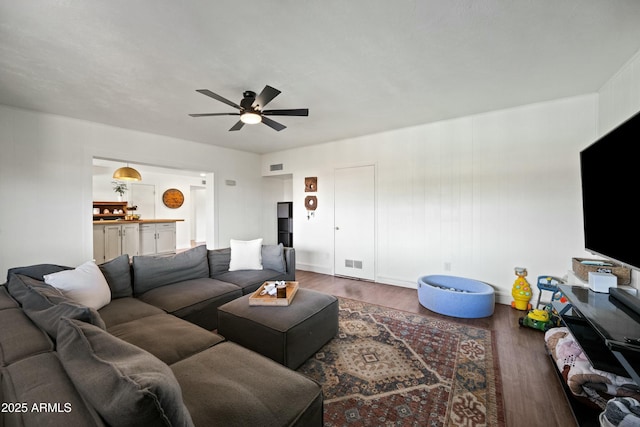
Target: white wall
(46,184)
(481,194)
(620,96)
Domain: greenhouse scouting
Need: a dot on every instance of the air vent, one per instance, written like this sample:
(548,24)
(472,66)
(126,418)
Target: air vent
(230,182)
(351,263)
(277,167)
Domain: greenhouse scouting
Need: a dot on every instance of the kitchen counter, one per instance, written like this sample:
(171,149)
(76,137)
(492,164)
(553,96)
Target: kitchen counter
(134,221)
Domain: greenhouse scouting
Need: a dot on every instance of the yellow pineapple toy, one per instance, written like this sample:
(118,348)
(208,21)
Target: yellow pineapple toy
(521,291)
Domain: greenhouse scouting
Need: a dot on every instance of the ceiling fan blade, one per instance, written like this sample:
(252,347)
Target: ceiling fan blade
(265,97)
(214,114)
(293,112)
(218,97)
(237,126)
(273,124)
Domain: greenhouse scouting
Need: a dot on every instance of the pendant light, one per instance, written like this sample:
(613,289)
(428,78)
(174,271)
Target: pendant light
(126,173)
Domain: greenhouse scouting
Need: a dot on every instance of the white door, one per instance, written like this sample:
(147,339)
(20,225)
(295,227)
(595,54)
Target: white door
(144,197)
(166,238)
(354,253)
(112,242)
(130,239)
(198,214)
(147,239)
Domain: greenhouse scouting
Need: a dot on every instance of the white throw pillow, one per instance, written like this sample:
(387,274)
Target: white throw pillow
(246,255)
(85,285)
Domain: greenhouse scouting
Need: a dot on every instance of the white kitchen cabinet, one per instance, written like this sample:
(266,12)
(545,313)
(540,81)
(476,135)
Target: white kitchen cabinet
(158,238)
(112,240)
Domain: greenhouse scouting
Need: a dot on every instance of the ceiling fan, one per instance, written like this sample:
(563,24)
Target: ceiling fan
(252,108)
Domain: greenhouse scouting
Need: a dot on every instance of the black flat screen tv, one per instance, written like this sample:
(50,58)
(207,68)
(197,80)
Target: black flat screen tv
(610,173)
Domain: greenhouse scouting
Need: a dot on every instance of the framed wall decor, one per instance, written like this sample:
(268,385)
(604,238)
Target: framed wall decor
(311,184)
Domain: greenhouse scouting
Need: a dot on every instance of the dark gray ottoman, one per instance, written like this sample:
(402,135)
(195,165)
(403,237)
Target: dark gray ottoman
(287,334)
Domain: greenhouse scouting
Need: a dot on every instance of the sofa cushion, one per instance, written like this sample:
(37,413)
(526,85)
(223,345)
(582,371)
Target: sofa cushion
(124,310)
(6,300)
(19,337)
(273,258)
(249,280)
(45,305)
(219,260)
(126,385)
(150,272)
(42,379)
(166,337)
(194,300)
(246,255)
(117,272)
(85,284)
(249,390)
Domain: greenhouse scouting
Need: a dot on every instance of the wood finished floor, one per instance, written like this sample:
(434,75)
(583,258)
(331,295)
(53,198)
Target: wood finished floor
(533,396)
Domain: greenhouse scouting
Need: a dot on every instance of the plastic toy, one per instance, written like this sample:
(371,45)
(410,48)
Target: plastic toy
(542,320)
(550,283)
(521,291)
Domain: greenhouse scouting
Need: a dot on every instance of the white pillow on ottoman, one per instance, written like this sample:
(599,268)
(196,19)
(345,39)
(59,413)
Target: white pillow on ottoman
(246,255)
(85,285)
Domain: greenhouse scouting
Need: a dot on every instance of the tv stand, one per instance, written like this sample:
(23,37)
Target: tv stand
(602,325)
(605,326)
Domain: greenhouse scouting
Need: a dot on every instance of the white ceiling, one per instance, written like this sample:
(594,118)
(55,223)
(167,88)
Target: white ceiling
(360,66)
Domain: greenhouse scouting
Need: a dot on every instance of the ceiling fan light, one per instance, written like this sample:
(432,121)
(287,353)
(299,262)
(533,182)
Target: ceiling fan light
(250,118)
(127,174)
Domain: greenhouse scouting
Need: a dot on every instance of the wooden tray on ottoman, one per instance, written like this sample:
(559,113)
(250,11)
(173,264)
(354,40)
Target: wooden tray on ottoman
(257,299)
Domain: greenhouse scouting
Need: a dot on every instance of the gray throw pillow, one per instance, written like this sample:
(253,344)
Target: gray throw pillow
(46,305)
(126,385)
(219,260)
(273,258)
(150,272)
(118,275)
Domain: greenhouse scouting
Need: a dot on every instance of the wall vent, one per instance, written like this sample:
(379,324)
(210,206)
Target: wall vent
(351,263)
(276,167)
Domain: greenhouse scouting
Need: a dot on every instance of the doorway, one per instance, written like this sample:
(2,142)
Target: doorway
(198,215)
(354,231)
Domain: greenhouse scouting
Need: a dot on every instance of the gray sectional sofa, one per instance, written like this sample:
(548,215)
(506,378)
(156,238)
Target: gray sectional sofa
(149,357)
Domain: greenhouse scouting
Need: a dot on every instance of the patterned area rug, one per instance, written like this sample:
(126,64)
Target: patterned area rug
(392,368)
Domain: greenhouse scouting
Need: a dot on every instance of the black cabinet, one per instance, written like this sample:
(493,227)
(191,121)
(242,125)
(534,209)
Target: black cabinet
(285,223)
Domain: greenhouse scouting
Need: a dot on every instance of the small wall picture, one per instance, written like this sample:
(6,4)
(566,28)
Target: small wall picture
(311,184)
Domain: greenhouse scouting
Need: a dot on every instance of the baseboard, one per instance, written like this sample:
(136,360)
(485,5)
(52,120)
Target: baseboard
(397,282)
(314,268)
(503,297)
